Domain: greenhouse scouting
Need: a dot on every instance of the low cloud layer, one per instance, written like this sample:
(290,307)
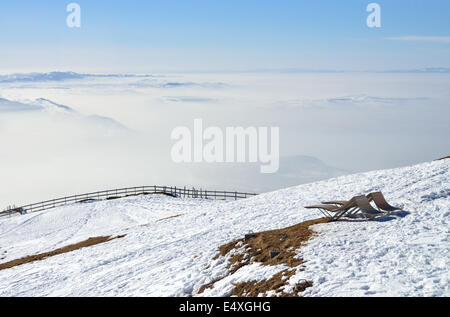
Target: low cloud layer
(61,137)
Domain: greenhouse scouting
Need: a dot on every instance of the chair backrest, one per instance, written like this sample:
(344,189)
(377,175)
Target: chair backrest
(365,206)
(381,202)
(351,203)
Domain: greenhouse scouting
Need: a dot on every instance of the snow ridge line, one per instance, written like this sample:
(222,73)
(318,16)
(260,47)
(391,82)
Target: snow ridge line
(126,192)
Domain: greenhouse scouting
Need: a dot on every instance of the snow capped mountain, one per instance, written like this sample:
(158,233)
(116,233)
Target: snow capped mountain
(34,77)
(40,104)
(48,107)
(106,122)
(167,246)
(52,107)
(16,106)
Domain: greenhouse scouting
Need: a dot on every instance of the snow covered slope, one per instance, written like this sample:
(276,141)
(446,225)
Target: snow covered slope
(170,243)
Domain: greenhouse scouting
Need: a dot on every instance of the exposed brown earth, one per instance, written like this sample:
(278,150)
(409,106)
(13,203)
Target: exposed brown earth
(176,216)
(443,158)
(257,249)
(88,200)
(209,285)
(141,194)
(275,283)
(39,257)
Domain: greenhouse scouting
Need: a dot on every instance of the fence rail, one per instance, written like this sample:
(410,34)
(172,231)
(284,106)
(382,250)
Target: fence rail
(127,192)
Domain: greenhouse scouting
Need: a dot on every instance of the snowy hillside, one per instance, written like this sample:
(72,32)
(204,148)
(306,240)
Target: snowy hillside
(170,243)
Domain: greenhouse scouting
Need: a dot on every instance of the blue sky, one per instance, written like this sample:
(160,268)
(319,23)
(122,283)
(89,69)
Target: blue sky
(151,35)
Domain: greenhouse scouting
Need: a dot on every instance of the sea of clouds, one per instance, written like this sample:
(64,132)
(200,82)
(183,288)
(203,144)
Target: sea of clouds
(67,133)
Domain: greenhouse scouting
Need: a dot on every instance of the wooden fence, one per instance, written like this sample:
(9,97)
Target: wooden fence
(127,192)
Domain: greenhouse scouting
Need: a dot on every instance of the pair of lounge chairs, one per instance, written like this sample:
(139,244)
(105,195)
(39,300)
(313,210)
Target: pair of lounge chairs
(339,208)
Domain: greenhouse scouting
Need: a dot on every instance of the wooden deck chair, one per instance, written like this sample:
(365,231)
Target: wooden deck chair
(335,202)
(376,197)
(335,212)
(350,214)
(381,202)
(366,208)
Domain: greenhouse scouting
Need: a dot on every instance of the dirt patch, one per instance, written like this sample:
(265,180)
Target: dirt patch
(113,197)
(176,216)
(39,257)
(254,288)
(274,247)
(155,193)
(89,200)
(209,285)
(258,248)
(141,194)
(443,158)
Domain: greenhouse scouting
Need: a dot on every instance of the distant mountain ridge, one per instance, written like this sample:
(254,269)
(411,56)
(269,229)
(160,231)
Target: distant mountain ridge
(47,106)
(40,104)
(60,76)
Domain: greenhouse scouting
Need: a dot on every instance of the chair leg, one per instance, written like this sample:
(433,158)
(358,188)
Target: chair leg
(340,214)
(326,214)
(352,212)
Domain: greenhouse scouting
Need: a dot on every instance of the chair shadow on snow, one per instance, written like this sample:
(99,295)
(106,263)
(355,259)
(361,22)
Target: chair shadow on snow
(389,217)
(393,216)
